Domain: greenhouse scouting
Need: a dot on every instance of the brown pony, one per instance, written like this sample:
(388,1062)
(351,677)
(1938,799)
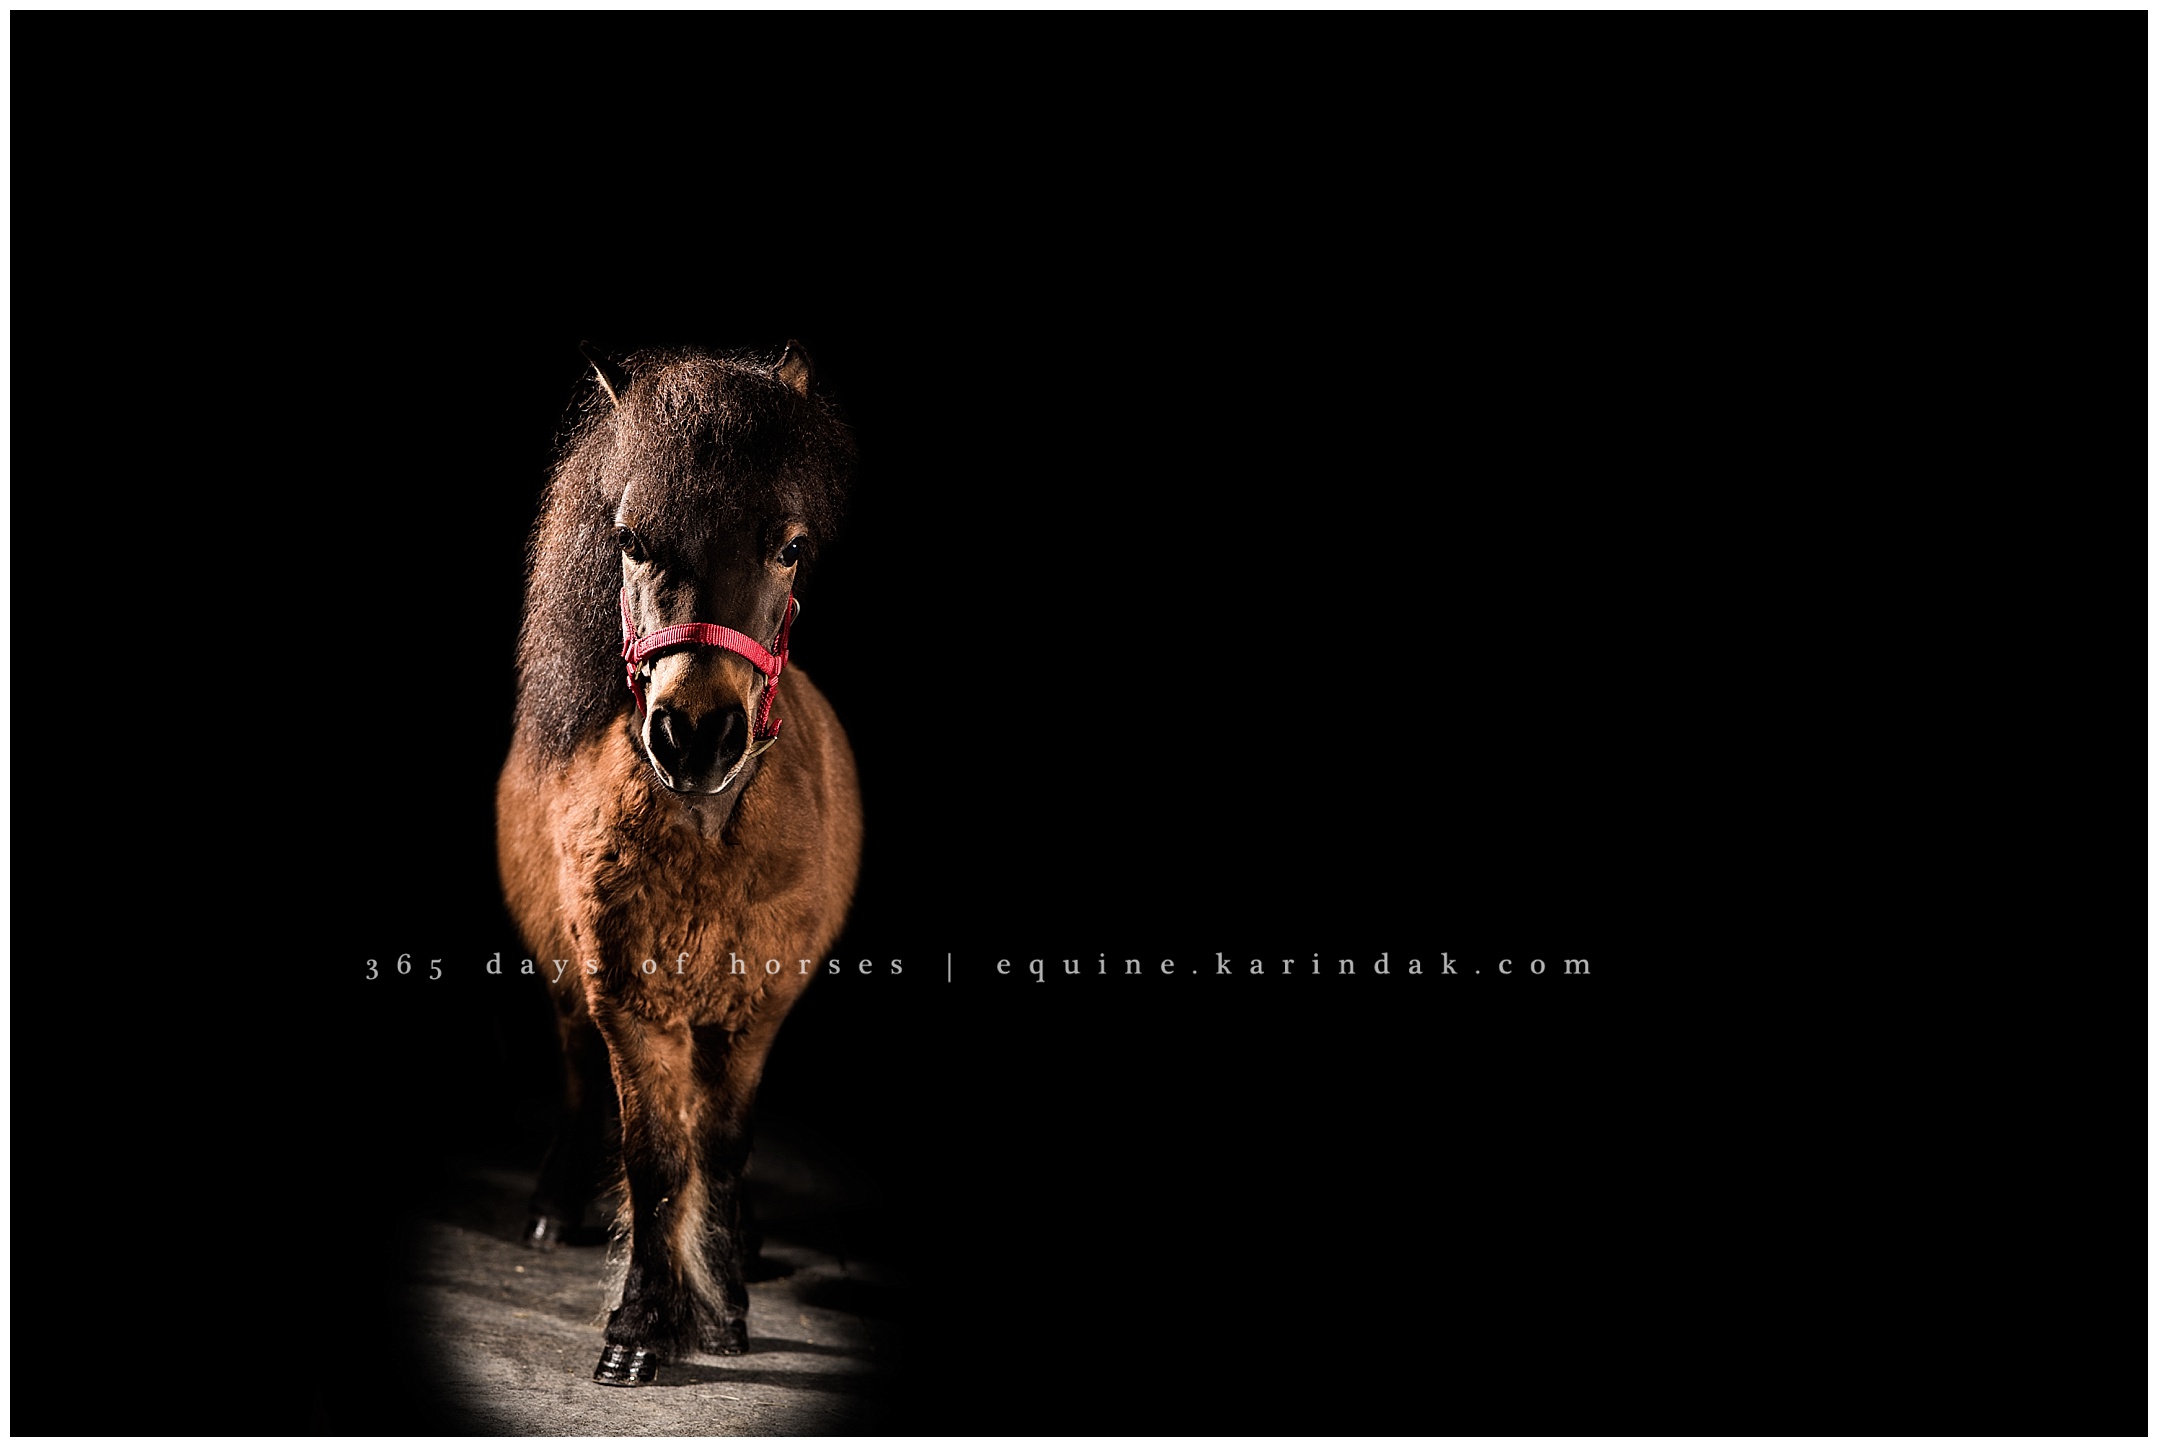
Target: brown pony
(678,842)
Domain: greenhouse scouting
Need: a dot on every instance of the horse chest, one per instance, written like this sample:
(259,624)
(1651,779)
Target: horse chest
(684,925)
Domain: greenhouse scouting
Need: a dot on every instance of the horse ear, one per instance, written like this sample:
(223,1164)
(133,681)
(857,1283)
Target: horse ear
(612,379)
(793,368)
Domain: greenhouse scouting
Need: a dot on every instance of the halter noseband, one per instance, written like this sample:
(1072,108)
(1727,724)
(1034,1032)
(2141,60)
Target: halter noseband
(768,662)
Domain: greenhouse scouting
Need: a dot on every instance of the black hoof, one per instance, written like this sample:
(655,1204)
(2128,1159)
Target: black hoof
(625,1366)
(544,1233)
(730,1340)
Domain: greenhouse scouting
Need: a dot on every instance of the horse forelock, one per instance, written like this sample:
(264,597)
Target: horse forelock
(696,439)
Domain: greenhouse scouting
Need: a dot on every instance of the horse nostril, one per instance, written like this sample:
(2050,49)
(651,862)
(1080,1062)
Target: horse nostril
(671,739)
(730,732)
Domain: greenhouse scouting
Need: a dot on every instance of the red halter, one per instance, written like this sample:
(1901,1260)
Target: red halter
(768,662)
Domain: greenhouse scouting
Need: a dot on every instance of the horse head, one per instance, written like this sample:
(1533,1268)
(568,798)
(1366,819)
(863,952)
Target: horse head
(720,473)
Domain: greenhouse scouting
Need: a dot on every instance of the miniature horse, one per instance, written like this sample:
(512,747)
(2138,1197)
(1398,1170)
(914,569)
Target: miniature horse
(678,825)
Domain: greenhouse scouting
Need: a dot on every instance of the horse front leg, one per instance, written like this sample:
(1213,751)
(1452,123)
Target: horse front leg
(666,1291)
(733,1063)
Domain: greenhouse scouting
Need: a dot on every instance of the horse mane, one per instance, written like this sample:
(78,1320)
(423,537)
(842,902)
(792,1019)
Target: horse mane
(707,430)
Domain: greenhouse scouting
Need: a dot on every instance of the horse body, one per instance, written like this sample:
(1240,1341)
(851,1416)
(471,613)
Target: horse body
(681,878)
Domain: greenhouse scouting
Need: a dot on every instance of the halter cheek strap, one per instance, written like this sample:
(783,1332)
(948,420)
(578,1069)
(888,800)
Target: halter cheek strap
(768,661)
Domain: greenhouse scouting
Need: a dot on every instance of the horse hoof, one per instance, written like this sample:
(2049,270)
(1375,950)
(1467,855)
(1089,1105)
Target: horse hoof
(730,1340)
(625,1366)
(545,1233)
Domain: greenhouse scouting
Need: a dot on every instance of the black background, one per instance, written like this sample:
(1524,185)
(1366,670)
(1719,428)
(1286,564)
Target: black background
(1456,521)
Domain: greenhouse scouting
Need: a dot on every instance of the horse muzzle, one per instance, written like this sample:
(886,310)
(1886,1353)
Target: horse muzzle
(698,750)
(702,751)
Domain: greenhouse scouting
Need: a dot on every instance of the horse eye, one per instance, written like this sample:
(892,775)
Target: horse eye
(626,540)
(791,554)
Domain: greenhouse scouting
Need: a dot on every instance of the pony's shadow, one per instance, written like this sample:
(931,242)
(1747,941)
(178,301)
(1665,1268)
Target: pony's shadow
(759,1345)
(853,1296)
(707,1374)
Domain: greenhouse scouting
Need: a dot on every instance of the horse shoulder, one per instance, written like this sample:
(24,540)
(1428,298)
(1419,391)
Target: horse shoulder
(526,851)
(806,807)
